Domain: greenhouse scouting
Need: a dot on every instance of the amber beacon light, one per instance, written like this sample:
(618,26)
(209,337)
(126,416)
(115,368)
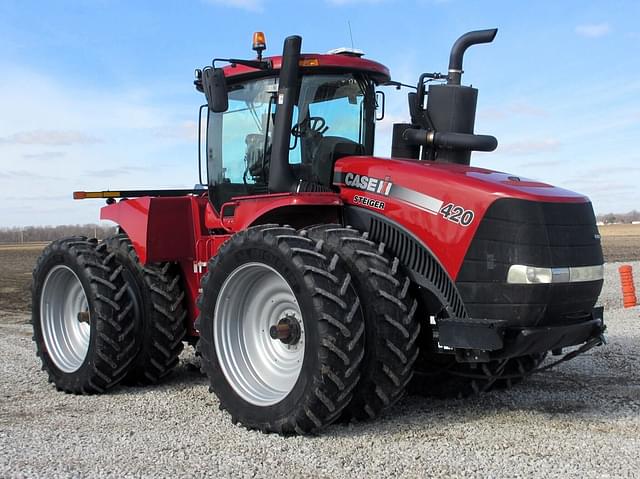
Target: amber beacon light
(259,43)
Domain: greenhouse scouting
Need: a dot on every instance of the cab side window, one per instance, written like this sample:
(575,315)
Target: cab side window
(239,142)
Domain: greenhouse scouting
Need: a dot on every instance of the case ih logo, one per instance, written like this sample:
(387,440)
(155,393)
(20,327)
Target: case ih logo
(368,183)
(435,206)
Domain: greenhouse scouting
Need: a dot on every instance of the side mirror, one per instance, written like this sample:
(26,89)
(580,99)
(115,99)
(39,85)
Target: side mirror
(214,85)
(380,104)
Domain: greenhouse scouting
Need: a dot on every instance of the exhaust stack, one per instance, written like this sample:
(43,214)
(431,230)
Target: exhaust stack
(452,107)
(281,179)
(460,46)
(445,128)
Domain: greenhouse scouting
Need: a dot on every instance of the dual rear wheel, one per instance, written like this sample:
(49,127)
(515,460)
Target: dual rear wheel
(100,317)
(82,317)
(299,329)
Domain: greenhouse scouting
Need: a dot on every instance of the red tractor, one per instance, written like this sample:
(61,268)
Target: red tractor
(319,281)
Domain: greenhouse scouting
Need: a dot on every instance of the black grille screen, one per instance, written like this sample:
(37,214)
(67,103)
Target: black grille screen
(530,233)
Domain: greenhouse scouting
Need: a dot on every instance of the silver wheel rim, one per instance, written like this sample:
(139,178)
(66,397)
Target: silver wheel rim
(261,370)
(65,336)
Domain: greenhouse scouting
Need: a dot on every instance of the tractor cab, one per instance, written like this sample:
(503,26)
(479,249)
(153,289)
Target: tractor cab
(331,103)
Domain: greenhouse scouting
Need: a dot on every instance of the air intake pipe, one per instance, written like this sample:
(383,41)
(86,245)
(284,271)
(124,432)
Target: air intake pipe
(449,140)
(281,179)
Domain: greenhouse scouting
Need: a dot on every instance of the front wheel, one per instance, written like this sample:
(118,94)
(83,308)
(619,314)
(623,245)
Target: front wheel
(389,315)
(281,332)
(445,378)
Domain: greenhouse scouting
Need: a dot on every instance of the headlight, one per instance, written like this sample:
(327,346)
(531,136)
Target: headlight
(522,274)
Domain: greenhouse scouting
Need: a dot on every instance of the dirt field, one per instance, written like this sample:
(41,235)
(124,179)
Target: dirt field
(16,264)
(620,242)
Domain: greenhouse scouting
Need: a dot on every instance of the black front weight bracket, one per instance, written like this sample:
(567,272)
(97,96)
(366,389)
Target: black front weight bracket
(482,340)
(592,343)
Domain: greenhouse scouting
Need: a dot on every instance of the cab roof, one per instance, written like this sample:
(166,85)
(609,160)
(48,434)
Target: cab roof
(313,63)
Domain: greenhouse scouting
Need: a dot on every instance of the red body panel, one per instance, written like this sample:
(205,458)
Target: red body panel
(177,228)
(470,188)
(161,229)
(248,209)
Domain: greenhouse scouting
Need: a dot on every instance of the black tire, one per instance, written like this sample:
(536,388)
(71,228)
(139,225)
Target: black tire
(439,375)
(111,344)
(517,369)
(334,331)
(447,379)
(389,314)
(160,313)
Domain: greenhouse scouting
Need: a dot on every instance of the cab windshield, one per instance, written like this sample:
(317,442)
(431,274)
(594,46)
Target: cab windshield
(334,117)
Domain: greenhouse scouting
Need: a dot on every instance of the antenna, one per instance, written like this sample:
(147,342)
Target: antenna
(350,33)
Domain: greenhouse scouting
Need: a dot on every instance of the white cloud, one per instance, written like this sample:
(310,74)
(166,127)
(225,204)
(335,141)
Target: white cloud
(598,174)
(16,175)
(384,133)
(33,101)
(49,137)
(44,155)
(593,30)
(121,171)
(542,163)
(249,5)
(183,131)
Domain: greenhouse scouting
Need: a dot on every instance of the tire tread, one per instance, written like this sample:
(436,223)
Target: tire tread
(390,325)
(112,352)
(161,329)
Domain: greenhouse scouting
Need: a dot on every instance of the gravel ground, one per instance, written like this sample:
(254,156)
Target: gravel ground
(579,420)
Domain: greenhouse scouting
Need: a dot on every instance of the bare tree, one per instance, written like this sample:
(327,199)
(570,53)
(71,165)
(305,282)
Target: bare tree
(29,234)
(609,218)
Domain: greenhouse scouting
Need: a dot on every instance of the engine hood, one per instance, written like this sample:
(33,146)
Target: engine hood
(428,177)
(440,204)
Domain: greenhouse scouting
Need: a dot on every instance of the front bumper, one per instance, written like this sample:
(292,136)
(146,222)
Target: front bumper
(481,340)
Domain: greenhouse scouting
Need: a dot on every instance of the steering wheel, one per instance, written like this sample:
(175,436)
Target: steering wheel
(314,124)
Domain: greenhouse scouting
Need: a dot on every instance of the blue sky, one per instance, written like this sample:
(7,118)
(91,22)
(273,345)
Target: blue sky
(98,94)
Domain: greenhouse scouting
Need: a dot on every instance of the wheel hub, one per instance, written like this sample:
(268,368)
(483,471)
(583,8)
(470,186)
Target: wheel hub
(287,330)
(259,334)
(65,316)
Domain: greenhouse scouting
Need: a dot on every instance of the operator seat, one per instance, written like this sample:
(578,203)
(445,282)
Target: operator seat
(329,150)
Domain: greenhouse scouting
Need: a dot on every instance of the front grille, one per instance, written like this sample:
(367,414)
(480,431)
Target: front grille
(543,234)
